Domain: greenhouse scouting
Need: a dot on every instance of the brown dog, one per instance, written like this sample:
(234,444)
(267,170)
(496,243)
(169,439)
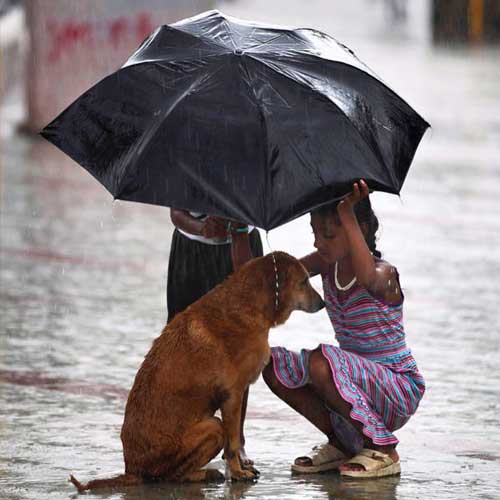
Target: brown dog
(203,361)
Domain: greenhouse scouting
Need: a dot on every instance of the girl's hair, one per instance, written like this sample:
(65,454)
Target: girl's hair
(364,214)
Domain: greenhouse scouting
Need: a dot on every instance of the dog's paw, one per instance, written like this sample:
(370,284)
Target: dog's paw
(244,459)
(251,468)
(244,475)
(214,476)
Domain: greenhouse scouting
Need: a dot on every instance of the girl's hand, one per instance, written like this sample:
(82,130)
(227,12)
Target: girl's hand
(359,192)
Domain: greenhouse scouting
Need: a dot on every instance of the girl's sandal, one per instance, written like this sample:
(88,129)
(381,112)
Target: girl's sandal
(375,463)
(323,458)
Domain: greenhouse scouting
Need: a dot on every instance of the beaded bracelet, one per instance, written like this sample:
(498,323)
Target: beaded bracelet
(232,229)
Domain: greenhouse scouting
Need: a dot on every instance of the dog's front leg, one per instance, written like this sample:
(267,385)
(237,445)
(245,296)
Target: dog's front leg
(231,418)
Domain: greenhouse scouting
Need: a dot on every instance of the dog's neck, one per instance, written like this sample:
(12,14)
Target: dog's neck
(256,315)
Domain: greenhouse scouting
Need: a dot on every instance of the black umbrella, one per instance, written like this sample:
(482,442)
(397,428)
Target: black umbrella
(253,123)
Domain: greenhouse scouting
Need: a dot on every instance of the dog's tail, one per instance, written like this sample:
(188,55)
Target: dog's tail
(113,482)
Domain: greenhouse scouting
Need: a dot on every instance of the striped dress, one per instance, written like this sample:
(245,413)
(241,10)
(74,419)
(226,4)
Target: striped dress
(372,368)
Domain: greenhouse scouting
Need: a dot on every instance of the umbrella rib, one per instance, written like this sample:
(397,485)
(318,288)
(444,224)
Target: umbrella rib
(214,193)
(226,24)
(266,142)
(344,47)
(145,44)
(379,160)
(266,42)
(141,145)
(137,53)
(176,26)
(165,63)
(205,39)
(370,73)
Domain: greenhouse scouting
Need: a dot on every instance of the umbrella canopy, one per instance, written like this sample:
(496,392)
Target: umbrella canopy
(253,123)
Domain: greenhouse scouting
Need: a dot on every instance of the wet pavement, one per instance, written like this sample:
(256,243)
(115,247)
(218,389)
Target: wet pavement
(83,295)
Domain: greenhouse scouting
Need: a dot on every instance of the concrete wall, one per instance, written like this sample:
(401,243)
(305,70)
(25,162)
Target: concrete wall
(419,20)
(74,44)
(13,41)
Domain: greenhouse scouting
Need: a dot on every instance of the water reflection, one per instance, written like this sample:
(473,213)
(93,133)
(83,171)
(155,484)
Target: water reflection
(337,487)
(330,486)
(170,491)
(83,288)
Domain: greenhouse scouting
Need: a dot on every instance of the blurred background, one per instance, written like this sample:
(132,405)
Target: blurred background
(83,277)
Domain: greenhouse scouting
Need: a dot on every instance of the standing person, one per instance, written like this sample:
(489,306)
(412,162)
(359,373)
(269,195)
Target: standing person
(202,256)
(358,393)
(203,252)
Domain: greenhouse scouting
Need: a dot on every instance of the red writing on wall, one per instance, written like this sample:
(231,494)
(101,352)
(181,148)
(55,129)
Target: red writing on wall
(67,35)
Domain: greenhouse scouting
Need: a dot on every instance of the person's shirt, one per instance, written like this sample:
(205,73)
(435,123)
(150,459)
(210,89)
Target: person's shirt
(209,241)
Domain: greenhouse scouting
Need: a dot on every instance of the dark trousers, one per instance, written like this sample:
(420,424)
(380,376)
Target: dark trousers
(195,268)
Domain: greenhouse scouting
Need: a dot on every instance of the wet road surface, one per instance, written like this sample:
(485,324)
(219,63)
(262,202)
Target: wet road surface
(83,295)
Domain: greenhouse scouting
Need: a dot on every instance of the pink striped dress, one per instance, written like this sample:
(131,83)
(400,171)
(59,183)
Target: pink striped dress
(372,367)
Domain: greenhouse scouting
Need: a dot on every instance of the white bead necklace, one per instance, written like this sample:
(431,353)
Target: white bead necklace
(337,284)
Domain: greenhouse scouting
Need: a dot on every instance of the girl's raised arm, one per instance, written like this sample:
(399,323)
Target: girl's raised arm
(362,260)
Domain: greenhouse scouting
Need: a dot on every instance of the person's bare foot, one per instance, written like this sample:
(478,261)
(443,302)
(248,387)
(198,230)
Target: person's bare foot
(393,454)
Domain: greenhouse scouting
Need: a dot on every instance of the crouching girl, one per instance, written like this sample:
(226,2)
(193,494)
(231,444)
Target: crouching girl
(360,392)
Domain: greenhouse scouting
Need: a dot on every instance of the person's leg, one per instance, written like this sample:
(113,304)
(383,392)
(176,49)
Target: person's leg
(321,380)
(190,268)
(173,307)
(194,269)
(304,401)
(256,244)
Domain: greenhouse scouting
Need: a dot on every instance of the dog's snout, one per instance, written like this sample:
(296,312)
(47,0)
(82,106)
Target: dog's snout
(318,304)
(314,303)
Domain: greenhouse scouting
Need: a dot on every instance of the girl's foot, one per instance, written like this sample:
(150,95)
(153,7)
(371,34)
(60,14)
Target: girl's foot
(369,463)
(322,458)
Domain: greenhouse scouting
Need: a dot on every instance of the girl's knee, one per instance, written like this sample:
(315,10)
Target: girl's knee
(319,369)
